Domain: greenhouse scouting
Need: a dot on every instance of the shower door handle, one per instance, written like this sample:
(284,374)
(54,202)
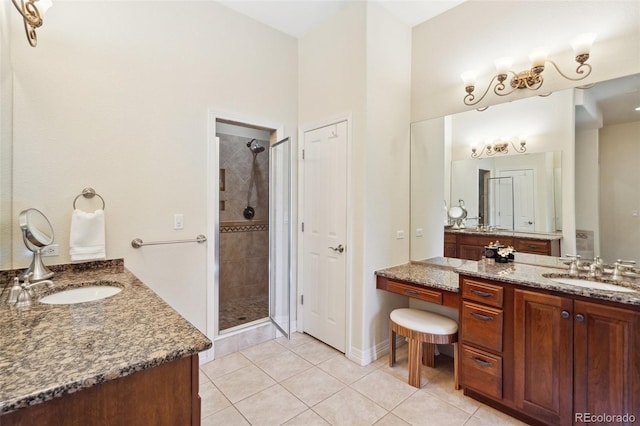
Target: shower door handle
(339,249)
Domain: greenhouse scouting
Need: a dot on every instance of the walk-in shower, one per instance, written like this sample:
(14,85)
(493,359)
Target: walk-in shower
(243,255)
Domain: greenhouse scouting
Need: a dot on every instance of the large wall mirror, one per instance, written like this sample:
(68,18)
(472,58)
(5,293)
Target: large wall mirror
(576,177)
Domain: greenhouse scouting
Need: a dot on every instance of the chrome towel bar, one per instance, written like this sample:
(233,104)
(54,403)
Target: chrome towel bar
(137,242)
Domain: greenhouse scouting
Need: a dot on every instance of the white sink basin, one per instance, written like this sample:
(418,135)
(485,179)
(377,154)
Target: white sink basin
(81,295)
(592,284)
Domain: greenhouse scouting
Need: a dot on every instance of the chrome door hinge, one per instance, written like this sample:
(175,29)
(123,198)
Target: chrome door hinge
(302,226)
(302,299)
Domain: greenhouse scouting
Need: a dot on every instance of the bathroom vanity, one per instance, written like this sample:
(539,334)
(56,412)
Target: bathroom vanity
(542,351)
(125,359)
(469,244)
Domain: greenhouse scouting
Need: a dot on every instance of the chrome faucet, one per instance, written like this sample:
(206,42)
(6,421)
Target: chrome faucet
(596,268)
(574,266)
(619,267)
(25,295)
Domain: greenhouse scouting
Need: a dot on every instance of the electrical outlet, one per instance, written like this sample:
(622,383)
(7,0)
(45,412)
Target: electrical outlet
(178,221)
(51,250)
(399,235)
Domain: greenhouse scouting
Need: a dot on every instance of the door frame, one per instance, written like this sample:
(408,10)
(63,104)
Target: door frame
(348,117)
(213,214)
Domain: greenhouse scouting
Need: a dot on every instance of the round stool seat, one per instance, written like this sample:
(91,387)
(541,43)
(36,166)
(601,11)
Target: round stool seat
(423,321)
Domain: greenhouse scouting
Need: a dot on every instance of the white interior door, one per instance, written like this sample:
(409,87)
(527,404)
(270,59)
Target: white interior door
(324,234)
(501,202)
(280,236)
(523,199)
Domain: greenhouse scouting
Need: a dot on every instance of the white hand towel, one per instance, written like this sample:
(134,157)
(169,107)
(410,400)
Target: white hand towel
(87,239)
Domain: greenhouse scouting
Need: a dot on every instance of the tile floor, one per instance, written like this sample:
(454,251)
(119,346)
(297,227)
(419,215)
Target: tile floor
(305,382)
(243,311)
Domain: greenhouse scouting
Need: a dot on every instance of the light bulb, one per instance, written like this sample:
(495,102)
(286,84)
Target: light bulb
(469,78)
(538,57)
(503,65)
(582,44)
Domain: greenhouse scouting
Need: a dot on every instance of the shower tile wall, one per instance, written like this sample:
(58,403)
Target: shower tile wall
(244,244)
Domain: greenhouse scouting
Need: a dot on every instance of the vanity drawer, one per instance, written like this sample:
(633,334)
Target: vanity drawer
(533,246)
(482,326)
(415,292)
(488,294)
(481,371)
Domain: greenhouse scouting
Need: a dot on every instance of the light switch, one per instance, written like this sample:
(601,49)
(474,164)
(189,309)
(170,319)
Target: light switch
(178,221)
(399,235)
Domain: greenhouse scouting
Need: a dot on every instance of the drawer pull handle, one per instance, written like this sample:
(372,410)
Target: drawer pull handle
(580,317)
(406,291)
(481,362)
(480,293)
(565,314)
(481,317)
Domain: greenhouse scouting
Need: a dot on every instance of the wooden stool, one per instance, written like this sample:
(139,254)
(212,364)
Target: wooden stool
(424,330)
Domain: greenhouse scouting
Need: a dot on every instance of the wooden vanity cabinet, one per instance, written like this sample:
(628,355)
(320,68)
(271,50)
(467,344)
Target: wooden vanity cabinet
(471,246)
(481,336)
(573,356)
(163,395)
(544,356)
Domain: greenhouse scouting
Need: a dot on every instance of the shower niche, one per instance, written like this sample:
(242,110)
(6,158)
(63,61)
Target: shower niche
(253,238)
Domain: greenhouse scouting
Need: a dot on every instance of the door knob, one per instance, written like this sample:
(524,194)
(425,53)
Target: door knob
(339,249)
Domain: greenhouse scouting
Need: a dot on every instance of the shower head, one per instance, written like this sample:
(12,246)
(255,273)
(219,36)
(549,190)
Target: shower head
(256,148)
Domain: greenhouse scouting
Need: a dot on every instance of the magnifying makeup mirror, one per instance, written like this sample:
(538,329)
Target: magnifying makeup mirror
(37,233)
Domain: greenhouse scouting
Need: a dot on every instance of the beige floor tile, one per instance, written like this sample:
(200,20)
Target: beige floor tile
(391,420)
(243,383)
(345,370)
(297,339)
(487,416)
(316,352)
(442,386)
(212,400)
(225,365)
(313,386)
(272,406)
(284,365)
(384,389)
(401,368)
(349,407)
(422,408)
(307,418)
(227,417)
(263,351)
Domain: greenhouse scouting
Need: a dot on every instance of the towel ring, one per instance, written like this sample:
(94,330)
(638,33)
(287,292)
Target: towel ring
(88,193)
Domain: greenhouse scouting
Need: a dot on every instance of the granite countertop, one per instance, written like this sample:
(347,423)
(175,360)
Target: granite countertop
(502,233)
(432,276)
(48,351)
(442,273)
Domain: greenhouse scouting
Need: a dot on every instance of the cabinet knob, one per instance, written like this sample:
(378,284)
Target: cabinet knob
(565,314)
(580,317)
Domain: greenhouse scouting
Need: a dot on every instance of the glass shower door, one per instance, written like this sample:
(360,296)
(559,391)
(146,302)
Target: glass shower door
(280,233)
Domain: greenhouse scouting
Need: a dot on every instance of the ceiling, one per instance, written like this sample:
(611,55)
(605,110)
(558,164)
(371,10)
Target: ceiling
(297,17)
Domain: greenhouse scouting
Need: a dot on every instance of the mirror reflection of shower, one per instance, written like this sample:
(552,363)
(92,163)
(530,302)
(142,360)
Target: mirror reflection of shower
(255,147)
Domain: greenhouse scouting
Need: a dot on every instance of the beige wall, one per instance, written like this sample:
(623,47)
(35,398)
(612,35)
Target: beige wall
(358,63)
(120,104)
(619,195)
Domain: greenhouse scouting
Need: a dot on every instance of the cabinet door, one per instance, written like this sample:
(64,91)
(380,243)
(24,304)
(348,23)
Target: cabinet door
(543,351)
(606,360)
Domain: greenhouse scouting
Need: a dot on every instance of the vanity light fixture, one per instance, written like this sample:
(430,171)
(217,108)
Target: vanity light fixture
(500,147)
(532,78)
(32,12)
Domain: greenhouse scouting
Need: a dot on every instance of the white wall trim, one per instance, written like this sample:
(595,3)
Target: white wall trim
(328,121)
